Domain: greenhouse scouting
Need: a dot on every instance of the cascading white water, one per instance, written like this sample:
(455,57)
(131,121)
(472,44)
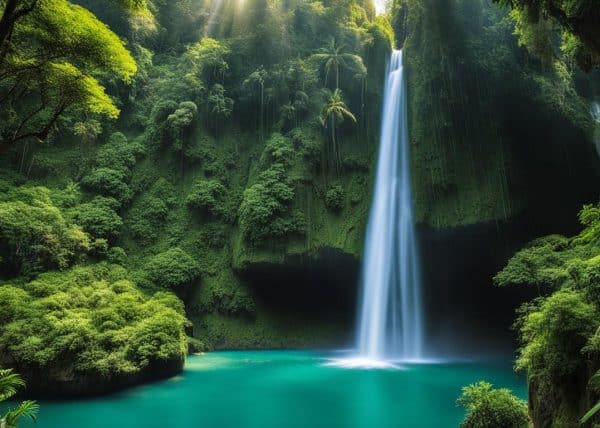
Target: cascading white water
(595,110)
(391,320)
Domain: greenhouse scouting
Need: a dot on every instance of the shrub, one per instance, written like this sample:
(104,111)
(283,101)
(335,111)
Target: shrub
(67,197)
(99,218)
(213,236)
(35,235)
(229,301)
(116,255)
(99,247)
(537,264)
(492,408)
(589,216)
(146,218)
(292,224)
(180,121)
(117,154)
(309,145)
(553,333)
(278,149)
(207,195)
(108,182)
(215,164)
(89,320)
(111,175)
(559,332)
(173,269)
(264,205)
(334,198)
(161,110)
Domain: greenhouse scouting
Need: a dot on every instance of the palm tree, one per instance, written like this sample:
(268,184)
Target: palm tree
(10,383)
(334,112)
(335,59)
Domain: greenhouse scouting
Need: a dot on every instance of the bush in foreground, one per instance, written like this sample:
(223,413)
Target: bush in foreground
(492,408)
(89,320)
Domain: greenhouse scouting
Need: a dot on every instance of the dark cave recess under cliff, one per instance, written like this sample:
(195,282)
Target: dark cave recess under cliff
(321,287)
(465,313)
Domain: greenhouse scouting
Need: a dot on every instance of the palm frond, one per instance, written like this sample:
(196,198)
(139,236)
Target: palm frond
(590,413)
(9,384)
(320,56)
(594,381)
(26,409)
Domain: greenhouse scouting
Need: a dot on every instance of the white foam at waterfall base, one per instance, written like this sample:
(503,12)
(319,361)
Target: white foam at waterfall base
(390,327)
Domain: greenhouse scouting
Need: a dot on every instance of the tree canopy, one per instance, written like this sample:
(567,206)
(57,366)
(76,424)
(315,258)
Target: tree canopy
(52,62)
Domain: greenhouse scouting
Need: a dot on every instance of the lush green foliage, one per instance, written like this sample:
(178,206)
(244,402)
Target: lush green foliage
(35,234)
(559,333)
(536,24)
(108,182)
(208,195)
(10,383)
(491,408)
(180,121)
(245,136)
(173,269)
(112,173)
(52,53)
(265,211)
(99,218)
(554,332)
(219,156)
(88,320)
(335,198)
(265,205)
(147,215)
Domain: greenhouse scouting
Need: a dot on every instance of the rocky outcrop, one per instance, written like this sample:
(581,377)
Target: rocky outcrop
(63,382)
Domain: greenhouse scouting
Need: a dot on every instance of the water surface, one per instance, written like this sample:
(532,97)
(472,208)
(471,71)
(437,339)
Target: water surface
(268,389)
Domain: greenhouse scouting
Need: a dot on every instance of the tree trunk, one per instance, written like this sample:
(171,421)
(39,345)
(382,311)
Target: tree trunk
(40,135)
(335,150)
(10,16)
(7,21)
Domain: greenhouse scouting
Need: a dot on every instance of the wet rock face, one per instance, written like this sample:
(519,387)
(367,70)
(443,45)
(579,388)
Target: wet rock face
(563,402)
(490,137)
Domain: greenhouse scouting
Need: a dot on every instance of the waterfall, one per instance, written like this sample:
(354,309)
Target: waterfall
(390,324)
(595,111)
